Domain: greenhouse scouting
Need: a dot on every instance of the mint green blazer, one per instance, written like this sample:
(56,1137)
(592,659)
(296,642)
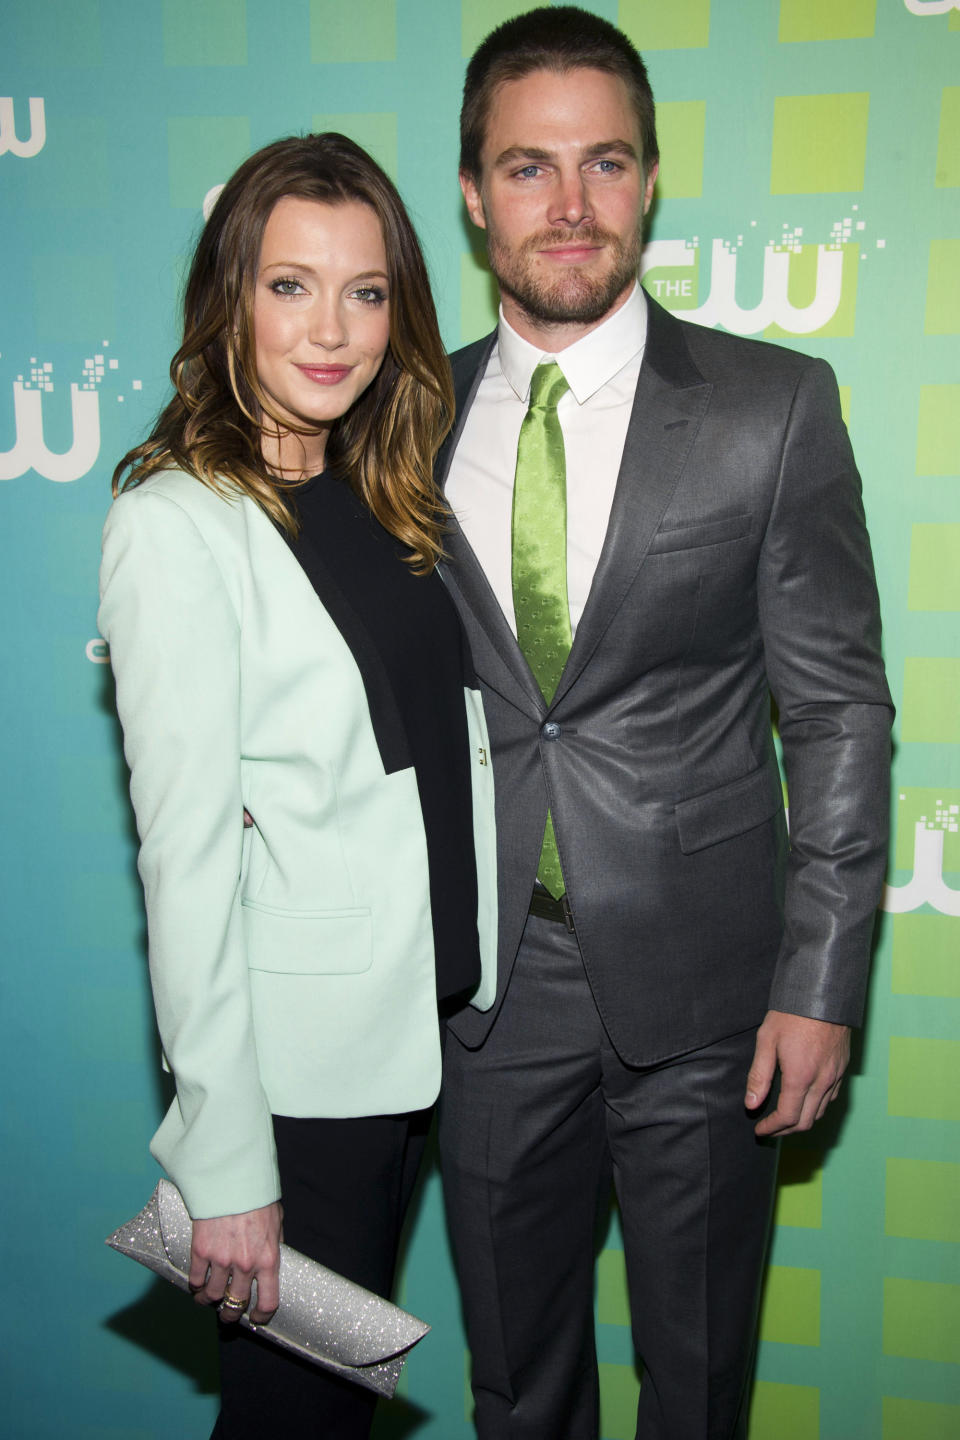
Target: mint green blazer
(292,963)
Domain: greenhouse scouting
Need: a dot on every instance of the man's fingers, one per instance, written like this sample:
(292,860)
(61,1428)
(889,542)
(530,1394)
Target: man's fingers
(797,1111)
(811,1111)
(761,1073)
(786,1116)
(812,1056)
(830,1096)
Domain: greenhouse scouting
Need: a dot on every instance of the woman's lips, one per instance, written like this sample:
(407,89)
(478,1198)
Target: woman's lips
(325,374)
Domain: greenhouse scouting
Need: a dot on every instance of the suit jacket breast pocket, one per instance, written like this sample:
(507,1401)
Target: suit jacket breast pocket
(671,539)
(308,942)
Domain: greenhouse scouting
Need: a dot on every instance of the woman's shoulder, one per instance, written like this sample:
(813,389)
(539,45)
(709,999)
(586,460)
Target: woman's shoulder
(172,523)
(177,493)
(183,488)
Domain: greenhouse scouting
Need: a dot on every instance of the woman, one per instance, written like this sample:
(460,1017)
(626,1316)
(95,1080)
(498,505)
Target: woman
(283,646)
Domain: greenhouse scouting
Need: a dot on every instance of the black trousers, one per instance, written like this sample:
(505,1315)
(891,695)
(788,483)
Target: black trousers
(530,1124)
(345,1188)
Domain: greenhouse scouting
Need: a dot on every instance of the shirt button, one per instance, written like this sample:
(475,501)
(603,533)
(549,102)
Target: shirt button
(551,731)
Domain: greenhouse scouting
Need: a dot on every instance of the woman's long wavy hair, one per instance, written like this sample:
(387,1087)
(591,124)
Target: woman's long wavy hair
(214,423)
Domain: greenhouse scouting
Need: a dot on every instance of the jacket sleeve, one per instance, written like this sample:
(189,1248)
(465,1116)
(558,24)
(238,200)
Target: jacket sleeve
(820,623)
(174,637)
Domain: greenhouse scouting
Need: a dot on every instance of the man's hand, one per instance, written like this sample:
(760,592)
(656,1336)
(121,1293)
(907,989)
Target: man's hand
(812,1056)
(228,1252)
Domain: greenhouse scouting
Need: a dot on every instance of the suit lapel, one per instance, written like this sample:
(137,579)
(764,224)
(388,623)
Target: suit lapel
(464,572)
(671,400)
(468,366)
(669,406)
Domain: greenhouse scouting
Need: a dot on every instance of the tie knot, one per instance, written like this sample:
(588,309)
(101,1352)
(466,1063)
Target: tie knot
(547,386)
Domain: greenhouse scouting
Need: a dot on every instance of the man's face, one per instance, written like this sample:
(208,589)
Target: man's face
(562,196)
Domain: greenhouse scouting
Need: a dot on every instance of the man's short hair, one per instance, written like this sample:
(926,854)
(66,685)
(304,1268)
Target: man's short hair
(553,37)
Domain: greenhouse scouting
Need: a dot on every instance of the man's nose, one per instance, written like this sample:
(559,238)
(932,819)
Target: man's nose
(570,201)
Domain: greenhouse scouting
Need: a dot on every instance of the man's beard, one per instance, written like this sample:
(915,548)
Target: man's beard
(573,296)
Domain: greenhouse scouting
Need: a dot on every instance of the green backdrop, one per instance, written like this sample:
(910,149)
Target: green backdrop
(809,192)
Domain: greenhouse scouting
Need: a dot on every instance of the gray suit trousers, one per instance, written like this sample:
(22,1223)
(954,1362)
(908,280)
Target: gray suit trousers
(530,1124)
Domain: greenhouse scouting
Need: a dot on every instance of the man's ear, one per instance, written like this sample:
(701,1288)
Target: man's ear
(471,194)
(651,180)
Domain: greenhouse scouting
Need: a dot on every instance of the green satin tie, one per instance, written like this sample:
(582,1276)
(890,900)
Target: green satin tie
(539,560)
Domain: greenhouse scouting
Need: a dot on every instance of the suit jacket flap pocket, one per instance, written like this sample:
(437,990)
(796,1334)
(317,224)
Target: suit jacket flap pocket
(307,942)
(694,537)
(730,810)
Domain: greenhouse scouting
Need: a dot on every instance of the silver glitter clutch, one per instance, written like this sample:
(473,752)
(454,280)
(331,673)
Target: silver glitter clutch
(321,1315)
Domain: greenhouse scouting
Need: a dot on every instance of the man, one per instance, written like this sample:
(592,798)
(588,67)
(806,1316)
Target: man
(659,525)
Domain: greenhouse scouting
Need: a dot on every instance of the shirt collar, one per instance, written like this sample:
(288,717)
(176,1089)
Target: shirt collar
(590,362)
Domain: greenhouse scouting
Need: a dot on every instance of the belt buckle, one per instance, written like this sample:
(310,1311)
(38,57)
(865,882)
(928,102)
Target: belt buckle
(567,914)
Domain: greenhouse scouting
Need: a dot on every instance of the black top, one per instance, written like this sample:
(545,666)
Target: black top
(406,637)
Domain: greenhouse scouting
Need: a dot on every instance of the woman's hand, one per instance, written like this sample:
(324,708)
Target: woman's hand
(228,1252)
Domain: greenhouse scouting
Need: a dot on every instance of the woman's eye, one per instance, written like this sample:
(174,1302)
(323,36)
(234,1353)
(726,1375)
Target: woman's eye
(370,294)
(286,286)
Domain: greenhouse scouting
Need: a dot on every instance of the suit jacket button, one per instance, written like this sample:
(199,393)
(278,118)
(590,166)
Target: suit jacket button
(551,731)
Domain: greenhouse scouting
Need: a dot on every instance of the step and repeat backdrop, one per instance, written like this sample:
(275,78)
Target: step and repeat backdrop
(809,193)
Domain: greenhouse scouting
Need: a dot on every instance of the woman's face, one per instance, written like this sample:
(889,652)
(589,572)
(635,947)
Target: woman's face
(320,319)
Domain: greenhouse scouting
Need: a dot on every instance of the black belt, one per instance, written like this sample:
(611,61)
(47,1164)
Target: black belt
(543,905)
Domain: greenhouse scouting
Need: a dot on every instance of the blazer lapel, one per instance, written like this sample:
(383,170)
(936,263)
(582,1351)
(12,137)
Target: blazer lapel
(464,572)
(388,727)
(669,406)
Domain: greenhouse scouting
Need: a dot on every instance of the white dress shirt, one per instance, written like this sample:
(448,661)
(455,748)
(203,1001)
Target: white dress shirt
(602,370)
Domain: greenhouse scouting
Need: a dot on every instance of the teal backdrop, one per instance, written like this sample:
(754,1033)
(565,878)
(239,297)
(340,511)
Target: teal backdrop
(809,193)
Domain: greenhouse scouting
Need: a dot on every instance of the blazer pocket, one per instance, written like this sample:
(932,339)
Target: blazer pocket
(694,537)
(307,942)
(728,811)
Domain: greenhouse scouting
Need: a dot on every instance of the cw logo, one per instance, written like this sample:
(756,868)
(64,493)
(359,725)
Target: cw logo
(931,7)
(8,132)
(97,651)
(30,451)
(774,308)
(935,828)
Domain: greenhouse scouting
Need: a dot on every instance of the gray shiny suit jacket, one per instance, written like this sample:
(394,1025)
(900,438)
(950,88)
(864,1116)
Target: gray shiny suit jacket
(736,565)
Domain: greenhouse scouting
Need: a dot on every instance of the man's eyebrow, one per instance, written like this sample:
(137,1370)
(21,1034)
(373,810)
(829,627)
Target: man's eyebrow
(516,153)
(522,152)
(611,147)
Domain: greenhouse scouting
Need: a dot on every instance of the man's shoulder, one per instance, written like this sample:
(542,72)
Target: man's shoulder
(718,352)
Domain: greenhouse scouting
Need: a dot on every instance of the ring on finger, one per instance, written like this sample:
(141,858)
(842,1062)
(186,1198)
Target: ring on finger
(232,1302)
